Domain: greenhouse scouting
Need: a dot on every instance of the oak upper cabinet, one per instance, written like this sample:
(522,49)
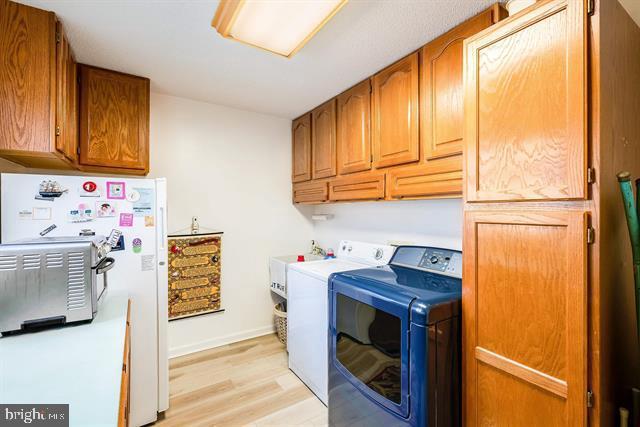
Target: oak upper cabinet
(526,106)
(36,83)
(301,148)
(114,121)
(67,98)
(524,316)
(442,86)
(323,140)
(441,115)
(442,178)
(310,192)
(354,129)
(361,186)
(395,114)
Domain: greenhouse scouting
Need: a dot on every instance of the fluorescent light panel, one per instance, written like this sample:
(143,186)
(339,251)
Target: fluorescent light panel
(280,26)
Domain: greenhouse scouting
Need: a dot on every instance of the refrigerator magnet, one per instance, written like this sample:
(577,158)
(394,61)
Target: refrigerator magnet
(89,189)
(83,213)
(133,195)
(50,189)
(136,245)
(147,262)
(48,230)
(145,205)
(105,209)
(149,221)
(116,190)
(41,213)
(126,220)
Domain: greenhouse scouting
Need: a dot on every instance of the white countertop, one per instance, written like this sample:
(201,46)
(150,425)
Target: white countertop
(79,365)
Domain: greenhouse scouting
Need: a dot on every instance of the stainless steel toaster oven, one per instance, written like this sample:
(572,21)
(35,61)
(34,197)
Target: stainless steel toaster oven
(51,281)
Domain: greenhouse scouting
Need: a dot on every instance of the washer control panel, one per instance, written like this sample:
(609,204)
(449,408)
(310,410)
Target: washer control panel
(365,253)
(435,260)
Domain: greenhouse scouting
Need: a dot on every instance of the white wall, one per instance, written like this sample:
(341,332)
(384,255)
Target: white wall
(231,169)
(10,167)
(424,222)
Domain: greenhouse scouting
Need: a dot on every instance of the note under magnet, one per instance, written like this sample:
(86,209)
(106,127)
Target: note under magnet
(42,213)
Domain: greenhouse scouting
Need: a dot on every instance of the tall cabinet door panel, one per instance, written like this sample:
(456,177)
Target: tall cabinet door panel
(301,147)
(441,88)
(525,315)
(354,123)
(525,106)
(323,140)
(66,97)
(395,114)
(27,78)
(114,126)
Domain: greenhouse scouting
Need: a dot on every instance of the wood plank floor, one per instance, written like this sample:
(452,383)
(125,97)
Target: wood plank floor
(243,384)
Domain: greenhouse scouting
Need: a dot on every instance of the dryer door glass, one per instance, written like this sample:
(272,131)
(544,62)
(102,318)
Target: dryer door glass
(368,345)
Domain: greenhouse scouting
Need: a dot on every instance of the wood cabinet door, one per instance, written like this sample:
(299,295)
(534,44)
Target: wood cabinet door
(524,304)
(526,106)
(301,148)
(366,186)
(433,179)
(114,119)
(323,140)
(395,114)
(310,192)
(354,124)
(442,87)
(66,97)
(27,78)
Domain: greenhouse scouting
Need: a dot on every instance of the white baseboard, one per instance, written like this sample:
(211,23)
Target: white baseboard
(219,341)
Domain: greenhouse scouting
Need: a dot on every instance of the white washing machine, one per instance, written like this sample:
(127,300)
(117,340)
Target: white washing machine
(308,309)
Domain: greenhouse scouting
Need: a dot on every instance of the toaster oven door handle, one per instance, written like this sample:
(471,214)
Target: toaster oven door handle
(104,265)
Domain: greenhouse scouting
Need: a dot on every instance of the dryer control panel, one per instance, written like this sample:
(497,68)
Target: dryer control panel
(443,261)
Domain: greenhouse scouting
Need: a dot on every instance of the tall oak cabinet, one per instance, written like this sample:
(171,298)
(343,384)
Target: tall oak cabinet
(544,275)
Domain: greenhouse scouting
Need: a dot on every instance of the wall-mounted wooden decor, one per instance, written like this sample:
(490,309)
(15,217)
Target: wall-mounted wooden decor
(194,274)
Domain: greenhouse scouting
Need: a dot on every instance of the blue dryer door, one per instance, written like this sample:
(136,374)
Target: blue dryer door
(369,342)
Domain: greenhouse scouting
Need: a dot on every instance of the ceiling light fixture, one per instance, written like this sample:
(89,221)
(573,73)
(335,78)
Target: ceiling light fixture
(279,26)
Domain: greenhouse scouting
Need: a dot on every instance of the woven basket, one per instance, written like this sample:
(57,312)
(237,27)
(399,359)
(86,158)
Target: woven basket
(281,323)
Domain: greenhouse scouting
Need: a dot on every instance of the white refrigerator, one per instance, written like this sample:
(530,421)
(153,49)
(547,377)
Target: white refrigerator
(137,208)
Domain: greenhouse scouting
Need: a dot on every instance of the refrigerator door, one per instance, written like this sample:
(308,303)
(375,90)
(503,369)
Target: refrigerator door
(163,309)
(136,207)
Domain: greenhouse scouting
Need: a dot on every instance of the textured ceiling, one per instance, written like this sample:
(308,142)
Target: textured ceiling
(173,44)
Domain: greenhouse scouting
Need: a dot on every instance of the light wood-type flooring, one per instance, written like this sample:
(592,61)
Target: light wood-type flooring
(242,384)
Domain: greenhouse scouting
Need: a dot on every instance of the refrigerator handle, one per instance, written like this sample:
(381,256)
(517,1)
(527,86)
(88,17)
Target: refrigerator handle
(164,237)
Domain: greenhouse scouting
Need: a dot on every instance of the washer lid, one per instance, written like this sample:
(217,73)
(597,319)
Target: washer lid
(433,297)
(323,269)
